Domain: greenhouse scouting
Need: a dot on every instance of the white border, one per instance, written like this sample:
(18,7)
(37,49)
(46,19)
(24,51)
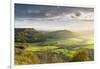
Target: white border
(12,35)
(4,34)
(74,3)
(77,3)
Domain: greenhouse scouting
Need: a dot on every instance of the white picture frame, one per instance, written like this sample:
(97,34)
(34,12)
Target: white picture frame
(78,3)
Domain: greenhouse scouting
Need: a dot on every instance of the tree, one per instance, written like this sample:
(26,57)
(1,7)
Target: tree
(81,55)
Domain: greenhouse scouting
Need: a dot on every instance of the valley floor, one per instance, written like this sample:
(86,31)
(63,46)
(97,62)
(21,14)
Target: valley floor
(58,51)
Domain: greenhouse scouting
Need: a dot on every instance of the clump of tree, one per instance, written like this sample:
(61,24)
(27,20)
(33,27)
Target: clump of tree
(20,47)
(29,57)
(28,35)
(81,55)
(26,58)
(49,56)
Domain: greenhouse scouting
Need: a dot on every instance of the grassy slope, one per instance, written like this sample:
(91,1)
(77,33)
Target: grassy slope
(51,47)
(68,47)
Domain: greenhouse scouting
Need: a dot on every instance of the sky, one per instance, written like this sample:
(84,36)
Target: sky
(51,18)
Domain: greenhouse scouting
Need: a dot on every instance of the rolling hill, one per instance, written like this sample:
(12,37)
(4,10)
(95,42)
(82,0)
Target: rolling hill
(32,35)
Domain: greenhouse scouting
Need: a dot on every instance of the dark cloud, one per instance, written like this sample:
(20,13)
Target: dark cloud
(43,11)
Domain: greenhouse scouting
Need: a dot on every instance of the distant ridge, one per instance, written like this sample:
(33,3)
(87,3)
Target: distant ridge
(33,35)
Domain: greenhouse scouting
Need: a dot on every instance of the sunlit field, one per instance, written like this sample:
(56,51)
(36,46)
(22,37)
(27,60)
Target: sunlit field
(52,50)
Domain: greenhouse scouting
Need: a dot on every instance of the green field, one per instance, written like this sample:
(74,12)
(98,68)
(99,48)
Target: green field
(55,51)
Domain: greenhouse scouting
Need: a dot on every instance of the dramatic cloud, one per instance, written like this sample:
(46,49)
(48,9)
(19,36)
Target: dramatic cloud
(53,17)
